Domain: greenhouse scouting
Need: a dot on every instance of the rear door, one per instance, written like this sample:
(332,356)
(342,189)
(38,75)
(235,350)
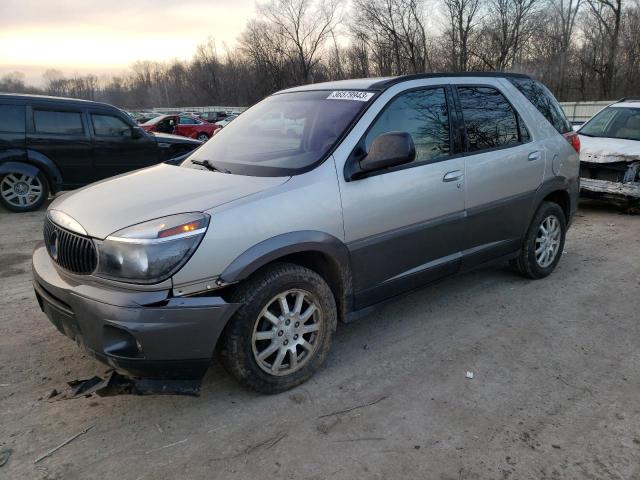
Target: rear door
(117,149)
(404,225)
(504,168)
(60,133)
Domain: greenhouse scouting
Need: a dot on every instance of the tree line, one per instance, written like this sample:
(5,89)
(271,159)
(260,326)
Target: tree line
(581,49)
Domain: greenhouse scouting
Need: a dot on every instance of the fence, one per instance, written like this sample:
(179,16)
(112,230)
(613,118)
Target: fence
(200,109)
(582,111)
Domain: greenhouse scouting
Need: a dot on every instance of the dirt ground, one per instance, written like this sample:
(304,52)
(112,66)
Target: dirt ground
(556,391)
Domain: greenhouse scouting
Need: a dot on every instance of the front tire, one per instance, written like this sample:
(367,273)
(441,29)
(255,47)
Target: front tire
(281,334)
(544,243)
(20,192)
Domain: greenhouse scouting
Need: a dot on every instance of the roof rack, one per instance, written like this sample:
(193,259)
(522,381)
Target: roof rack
(418,76)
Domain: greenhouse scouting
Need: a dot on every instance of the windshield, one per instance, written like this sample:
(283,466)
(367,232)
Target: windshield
(614,122)
(282,135)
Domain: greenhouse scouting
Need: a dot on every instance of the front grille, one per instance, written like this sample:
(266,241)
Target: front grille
(73,252)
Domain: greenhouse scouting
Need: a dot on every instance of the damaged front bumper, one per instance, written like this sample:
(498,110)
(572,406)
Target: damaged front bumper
(142,333)
(616,181)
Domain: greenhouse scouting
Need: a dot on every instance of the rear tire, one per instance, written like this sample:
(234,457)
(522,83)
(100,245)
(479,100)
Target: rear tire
(203,137)
(281,334)
(544,242)
(23,193)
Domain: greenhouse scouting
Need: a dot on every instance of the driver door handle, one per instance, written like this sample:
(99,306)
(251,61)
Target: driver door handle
(453,176)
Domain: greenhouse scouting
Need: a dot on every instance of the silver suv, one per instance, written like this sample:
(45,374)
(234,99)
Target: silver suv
(313,205)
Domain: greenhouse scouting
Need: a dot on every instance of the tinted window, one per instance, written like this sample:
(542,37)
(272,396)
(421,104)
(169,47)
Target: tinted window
(489,119)
(62,123)
(544,101)
(110,126)
(424,115)
(12,118)
(187,121)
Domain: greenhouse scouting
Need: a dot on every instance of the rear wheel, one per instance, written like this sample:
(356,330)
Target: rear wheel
(282,332)
(544,242)
(20,192)
(203,137)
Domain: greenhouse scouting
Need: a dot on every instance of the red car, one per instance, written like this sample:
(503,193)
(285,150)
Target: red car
(184,125)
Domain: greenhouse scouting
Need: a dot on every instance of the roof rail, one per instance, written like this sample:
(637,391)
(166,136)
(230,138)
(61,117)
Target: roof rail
(403,78)
(628,99)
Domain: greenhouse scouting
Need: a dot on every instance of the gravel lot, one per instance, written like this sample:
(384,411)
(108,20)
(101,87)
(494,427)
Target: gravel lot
(556,392)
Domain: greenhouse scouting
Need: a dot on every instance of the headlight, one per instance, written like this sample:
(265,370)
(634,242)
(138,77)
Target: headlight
(152,251)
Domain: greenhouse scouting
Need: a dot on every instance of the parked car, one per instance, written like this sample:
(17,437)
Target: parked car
(48,144)
(259,242)
(226,121)
(610,155)
(212,117)
(183,125)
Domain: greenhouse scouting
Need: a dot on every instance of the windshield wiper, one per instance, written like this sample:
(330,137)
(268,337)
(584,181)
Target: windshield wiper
(209,166)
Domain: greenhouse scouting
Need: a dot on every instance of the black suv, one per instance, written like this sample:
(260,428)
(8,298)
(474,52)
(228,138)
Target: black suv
(48,144)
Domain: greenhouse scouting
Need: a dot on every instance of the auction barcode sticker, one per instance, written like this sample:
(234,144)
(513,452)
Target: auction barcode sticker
(350,95)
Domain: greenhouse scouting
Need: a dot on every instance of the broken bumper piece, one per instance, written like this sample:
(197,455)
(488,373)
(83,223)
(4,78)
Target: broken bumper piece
(626,191)
(144,334)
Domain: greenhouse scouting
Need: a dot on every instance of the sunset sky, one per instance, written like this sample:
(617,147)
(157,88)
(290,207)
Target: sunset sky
(105,37)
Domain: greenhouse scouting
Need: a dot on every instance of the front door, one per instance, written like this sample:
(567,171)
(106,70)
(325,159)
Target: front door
(404,226)
(117,149)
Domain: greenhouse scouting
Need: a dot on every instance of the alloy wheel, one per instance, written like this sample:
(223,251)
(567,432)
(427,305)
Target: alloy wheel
(287,332)
(548,241)
(21,190)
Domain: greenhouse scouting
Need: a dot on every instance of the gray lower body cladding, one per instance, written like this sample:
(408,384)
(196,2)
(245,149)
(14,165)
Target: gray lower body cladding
(145,334)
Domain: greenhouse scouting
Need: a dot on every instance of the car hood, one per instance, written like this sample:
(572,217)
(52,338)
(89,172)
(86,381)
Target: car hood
(105,207)
(608,150)
(168,138)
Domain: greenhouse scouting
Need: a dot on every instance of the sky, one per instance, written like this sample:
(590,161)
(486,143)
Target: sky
(105,37)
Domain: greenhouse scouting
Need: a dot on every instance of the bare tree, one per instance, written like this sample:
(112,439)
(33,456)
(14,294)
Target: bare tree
(505,33)
(608,14)
(302,28)
(462,16)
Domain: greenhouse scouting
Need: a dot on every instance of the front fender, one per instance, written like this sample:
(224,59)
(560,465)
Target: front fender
(281,245)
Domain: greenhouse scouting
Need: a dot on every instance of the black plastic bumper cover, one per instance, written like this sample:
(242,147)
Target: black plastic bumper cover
(142,333)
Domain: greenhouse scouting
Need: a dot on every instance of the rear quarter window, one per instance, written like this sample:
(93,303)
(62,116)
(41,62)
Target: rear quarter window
(544,101)
(12,119)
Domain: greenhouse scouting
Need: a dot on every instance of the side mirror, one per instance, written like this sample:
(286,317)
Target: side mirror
(137,132)
(389,150)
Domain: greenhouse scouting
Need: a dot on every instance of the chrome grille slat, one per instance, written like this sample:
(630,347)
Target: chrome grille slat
(73,252)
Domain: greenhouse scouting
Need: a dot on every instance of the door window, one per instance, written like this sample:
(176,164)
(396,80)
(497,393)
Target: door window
(61,123)
(490,120)
(12,119)
(187,121)
(424,115)
(110,126)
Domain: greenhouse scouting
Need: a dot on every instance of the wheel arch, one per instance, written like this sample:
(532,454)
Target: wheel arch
(560,190)
(318,251)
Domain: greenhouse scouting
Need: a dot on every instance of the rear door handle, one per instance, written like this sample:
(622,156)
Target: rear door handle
(535,156)
(453,176)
